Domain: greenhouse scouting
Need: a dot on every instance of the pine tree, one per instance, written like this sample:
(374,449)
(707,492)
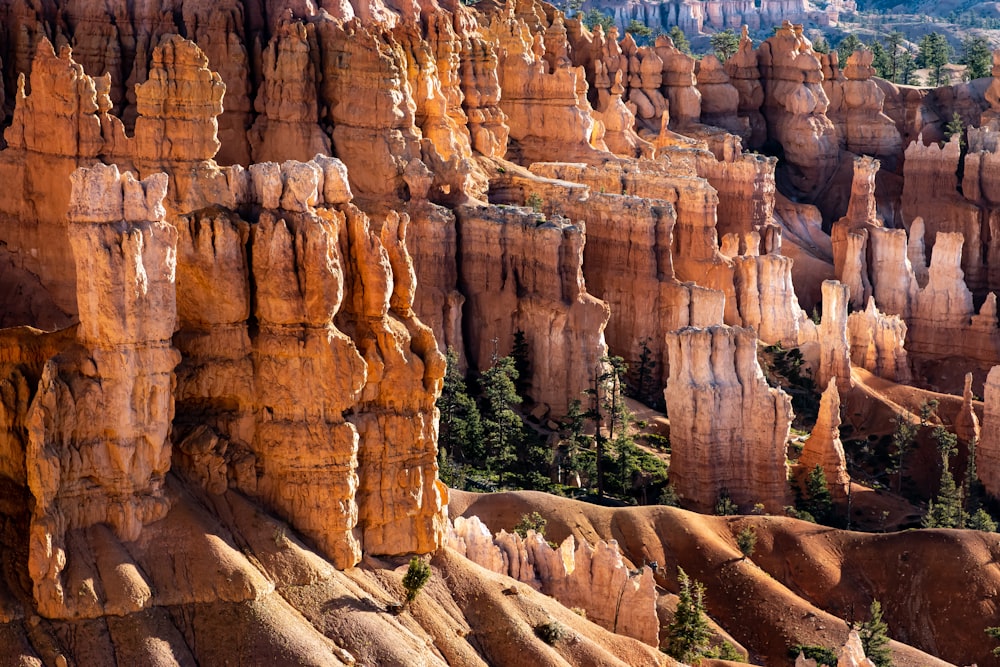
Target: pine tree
(595,17)
(818,502)
(934,53)
(680,40)
(880,59)
(725,44)
(460,431)
(903,438)
(945,511)
(895,50)
(644,389)
(977,56)
(608,409)
(688,634)
(522,363)
(576,440)
(501,425)
(641,33)
(955,126)
(874,634)
(417,575)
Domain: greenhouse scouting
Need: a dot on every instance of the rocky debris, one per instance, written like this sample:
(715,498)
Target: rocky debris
(584,577)
(728,428)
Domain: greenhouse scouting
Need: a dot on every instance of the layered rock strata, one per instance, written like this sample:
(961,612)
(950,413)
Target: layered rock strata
(334,304)
(728,427)
(856,110)
(535,286)
(98,427)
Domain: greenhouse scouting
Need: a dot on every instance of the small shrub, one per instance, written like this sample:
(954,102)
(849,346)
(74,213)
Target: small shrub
(821,654)
(981,520)
(994,633)
(533,521)
(535,202)
(550,632)
(725,506)
(725,651)
(417,575)
(668,496)
(746,540)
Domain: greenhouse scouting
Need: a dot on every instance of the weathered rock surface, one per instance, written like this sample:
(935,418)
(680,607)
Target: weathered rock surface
(584,577)
(534,286)
(795,106)
(856,104)
(823,448)
(988,452)
(98,427)
(728,428)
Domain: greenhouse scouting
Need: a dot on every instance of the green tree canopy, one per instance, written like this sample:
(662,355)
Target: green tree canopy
(680,40)
(688,634)
(874,634)
(641,33)
(725,44)
(460,430)
(595,17)
(934,53)
(502,427)
(977,57)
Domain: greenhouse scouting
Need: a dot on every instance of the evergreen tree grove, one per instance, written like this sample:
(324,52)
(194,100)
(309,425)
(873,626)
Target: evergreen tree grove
(502,428)
(934,55)
(977,56)
(460,431)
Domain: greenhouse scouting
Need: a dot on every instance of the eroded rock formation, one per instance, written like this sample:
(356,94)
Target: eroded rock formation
(718,447)
(98,426)
(584,577)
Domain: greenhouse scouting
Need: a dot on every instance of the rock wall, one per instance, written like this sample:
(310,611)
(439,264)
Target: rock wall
(98,427)
(988,452)
(535,285)
(728,428)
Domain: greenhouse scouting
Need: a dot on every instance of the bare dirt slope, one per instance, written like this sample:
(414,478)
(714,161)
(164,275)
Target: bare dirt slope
(938,587)
(230,585)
